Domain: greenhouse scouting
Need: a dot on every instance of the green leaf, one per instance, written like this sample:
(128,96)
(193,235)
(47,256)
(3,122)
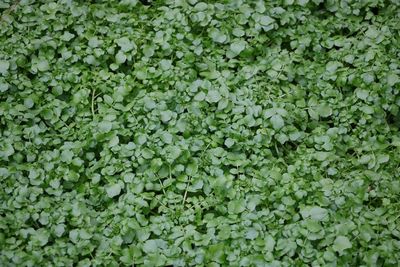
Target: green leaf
(277,121)
(59,230)
(166,137)
(166,116)
(120,58)
(362,94)
(149,103)
(392,79)
(341,243)
(236,206)
(41,236)
(113,190)
(251,234)
(200,96)
(28,102)
(314,212)
(105,126)
(43,65)
(229,142)
(213,96)
(266,20)
(238,32)
(372,32)
(148,51)
(238,46)
(4,66)
(128,177)
(125,44)
(191,169)
(324,110)
(269,243)
(93,42)
(321,156)
(165,64)
(218,36)
(303,2)
(332,66)
(150,246)
(67,155)
(3,87)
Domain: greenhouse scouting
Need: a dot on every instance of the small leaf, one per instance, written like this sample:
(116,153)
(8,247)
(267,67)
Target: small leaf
(314,212)
(166,137)
(229,142)
(277,121)
(165,64)
(213,96)
(105,126)
(238,46)
(332,66)
(59,230)
(251,234)
(125,44)
(113,190)
(324,110)
(321,155)
(341,243)
(362,94)
(372,32)
(266,20)
(192,168)
(269,243)
(392,79)
(218,36)
(238,32)
(236,206)
(93,42)
(148,51)
(66,156)
(150,246)
(120,58)
(200,96)
(3,87)
(166,116)
(4,65)
(43,65)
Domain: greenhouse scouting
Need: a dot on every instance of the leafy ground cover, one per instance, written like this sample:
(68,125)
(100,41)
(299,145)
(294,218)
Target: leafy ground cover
(188,133)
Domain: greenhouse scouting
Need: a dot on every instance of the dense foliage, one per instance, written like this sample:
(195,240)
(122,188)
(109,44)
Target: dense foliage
(188,133)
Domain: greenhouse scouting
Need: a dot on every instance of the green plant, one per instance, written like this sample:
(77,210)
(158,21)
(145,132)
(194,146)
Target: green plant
(216,133)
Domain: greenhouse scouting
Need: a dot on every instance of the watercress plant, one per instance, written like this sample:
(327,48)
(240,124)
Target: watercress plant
(199,133)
